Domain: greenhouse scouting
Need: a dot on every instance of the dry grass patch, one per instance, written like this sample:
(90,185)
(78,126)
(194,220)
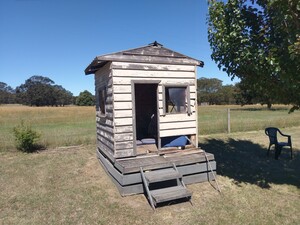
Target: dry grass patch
(59,126)
(68,186)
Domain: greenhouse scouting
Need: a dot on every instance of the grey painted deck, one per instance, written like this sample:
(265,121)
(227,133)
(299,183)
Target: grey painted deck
(132,165)
(125,173)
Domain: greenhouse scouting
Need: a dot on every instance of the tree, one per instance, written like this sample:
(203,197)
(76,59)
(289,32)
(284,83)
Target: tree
(245,95)
(7,94)
(258,41)
(42,91)
(227,95)
(208,90)
(62,96)
(85,98)
(211,91)
(37,90)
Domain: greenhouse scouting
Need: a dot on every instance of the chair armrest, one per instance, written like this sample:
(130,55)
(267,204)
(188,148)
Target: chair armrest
(289,138)
(286,135)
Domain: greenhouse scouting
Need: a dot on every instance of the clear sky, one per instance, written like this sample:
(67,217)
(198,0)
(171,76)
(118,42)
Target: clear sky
(59,38)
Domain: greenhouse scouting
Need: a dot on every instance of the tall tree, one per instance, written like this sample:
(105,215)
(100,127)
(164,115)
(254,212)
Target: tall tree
(42,91)
(37,90)
(85,98)
(227,95)
(62,96)
(208,90)
(259,42)
(7,94)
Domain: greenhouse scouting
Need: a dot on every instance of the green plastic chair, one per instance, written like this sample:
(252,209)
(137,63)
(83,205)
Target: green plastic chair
(271,132)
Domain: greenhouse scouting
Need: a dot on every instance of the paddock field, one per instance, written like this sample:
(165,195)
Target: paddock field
(73,125)
(65,184)
(213,119)
(59,126)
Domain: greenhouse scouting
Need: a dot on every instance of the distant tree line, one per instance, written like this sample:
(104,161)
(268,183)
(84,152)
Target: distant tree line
(42,91)
(211,91)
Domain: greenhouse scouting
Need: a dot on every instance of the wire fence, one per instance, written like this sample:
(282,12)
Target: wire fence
(226,119)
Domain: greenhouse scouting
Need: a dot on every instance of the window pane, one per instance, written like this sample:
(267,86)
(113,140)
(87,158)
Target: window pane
(102,100)
(175,99)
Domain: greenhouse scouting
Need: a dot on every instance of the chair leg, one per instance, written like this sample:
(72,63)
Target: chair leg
(269,149)
(277,151)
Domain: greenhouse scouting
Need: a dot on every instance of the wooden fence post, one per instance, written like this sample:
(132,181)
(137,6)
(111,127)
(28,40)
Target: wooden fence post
(228,121)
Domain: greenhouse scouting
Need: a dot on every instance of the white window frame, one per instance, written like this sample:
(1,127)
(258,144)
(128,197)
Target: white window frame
(188,99)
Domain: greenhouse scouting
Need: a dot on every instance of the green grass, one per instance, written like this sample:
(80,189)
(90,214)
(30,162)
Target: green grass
(59,126)
(68,186)
(213,119)
(69,126)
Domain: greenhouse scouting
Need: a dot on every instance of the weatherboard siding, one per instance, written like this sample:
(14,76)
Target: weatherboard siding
(105,124)
(170,124)
(115,137)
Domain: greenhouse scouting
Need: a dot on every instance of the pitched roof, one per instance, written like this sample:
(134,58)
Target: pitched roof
(152,53)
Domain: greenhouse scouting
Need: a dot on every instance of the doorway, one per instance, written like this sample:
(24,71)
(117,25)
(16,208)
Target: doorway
(146,111)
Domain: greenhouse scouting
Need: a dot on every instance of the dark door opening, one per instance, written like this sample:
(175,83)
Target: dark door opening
(146,111)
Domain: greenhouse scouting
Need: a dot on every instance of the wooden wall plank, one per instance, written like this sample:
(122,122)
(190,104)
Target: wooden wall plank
(164,80)
(106,142)
(153,74)
(123,113)
(105,131)
(123,129)
(123,121)
(105,149)
(105,128)
(178,131)
(177,117)
(120,146)
(108,154)
(122,89)
(123,153)
(122,105)
(124,137)
(123,97)
(181,124)
(155,67)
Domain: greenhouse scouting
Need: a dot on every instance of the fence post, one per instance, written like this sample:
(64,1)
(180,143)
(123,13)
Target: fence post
(228,121)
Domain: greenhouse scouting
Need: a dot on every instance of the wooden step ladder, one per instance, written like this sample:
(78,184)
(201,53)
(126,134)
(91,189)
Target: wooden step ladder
(162,192)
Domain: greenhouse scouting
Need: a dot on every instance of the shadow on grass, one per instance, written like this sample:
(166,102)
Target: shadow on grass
(245,161)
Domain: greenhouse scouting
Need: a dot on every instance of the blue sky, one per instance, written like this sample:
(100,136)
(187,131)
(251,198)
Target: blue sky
(59,38)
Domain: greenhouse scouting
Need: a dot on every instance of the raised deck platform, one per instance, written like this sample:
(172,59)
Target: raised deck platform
(125,173)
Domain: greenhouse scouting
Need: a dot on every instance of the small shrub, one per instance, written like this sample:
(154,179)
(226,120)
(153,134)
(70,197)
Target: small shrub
(26,138)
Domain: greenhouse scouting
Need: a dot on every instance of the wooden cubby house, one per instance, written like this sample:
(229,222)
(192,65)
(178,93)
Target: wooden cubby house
(147,130)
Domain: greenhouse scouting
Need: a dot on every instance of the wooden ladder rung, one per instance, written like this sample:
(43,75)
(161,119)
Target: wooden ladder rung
(170,193)
(162,175)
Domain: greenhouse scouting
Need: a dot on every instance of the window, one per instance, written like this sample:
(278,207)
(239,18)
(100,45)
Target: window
(175,100)
(102,101)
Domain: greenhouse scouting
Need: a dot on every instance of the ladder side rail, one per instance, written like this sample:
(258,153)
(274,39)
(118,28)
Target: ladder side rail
(213,173)
(146,185)
(179,180)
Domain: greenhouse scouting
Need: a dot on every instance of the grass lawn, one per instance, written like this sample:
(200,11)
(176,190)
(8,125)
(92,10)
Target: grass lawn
(213,119)
(67,185)
(59,126)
